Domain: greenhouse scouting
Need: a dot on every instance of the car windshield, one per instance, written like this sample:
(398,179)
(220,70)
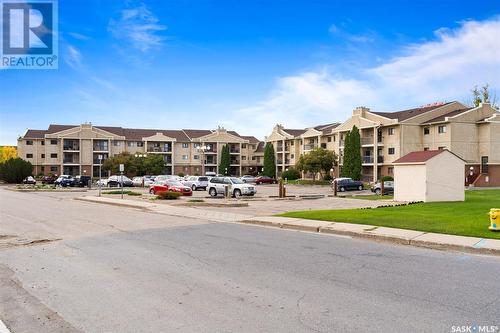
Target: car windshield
(174,183)
(203,179)
(237,181)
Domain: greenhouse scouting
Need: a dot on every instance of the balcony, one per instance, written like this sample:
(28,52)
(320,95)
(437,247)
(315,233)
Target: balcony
(100,146)
(367,140)
(157,149)
(211,161)
(279,161)
(367,159)
(341,142)
(310,146)
(234,150)
(71,147)
(68,160)
(380,159)
(279,148)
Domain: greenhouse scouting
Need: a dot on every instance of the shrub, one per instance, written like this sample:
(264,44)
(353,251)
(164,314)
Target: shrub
(168,195)
(291,174)
(181,174)
(14,170)
(387,179)
(327,177)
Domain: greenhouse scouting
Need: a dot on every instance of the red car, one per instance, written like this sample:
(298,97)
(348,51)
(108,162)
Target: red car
(172,186)
(265,180)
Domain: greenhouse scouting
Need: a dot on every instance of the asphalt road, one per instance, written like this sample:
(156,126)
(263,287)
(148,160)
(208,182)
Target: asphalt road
(113,269)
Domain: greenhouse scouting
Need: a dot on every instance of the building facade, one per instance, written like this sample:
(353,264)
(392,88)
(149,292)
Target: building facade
(75,149)
(471,133)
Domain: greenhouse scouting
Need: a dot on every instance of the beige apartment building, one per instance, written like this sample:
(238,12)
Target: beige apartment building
(471,133)
(75,149)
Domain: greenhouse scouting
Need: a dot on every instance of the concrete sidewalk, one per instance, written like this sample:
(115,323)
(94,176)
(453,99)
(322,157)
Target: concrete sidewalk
(394,235)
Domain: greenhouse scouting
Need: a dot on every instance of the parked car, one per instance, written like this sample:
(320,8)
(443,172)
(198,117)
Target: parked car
(347,184)
(48,179)
(265,180)
(103,182)
(65,181)
(388,188)
(237,187)
(248,179)
(210,174)
(161,179)
(196,182)
(29,180)
(170,185)
(116,181)
(139,181)
(82,181)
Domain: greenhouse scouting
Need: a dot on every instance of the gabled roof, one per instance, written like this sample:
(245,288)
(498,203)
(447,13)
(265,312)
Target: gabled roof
(326,129)
(34,134)
(294,132)
(251,139)
(410,113)
(195,133)
(58,128)
(260,147)
(418,156)
(138,133)
(449,114)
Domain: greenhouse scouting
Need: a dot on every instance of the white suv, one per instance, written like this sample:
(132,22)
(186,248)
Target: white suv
(236,186)
(196,182)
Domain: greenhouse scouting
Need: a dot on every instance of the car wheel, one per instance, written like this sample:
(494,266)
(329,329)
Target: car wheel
(212,192)
(378,191)
(257,183)
(237,193)
(193,187)
(342,189)
(360,188)
(152,191)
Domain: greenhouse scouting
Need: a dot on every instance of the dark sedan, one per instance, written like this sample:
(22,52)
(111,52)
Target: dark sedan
(265,180)
(388,188)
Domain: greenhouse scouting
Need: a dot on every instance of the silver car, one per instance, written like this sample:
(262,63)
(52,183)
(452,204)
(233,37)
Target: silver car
(196,182)
(139,181)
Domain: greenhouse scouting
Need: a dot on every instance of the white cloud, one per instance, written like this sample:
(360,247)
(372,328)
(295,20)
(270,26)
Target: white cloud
(139,27)
(443,69)
(73,57)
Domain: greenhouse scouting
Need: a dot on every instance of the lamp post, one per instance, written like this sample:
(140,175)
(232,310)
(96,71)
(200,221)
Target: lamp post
(202,150)
(99,157)
(141,156)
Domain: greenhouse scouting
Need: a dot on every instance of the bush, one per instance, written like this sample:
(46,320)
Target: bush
(387,179)
(180,174)
(327,177)
(291,174)
(168,195)
(14,170)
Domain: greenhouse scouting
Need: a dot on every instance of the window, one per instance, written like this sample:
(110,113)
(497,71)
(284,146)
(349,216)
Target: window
(130,143)
(42,168)
(29,142)
(427,130)
(243,146)
(392,151)
(185,145)
(442,129)
(390,170)
(243,158)
(391,131)
(291,143)
(139,144)
(42,142)
(329,139)
(334,138)
(254,158)
(196,157)
(43,155)
(300,142)
(116,143)
(53,169)
(426,148)
(53,142)
(323,145)
(442,148)
(292,156)
(29,155)
(184,157)
(53,155)
(252,146)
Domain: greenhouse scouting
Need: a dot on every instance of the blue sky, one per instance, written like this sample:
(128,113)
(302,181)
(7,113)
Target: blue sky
(247,65)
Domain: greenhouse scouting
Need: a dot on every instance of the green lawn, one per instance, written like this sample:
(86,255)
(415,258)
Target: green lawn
(469,218)
(371,197)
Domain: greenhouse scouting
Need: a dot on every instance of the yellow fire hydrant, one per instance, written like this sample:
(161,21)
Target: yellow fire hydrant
(495,219)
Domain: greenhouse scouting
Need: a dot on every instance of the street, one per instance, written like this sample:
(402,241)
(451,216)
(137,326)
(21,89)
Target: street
(69,266)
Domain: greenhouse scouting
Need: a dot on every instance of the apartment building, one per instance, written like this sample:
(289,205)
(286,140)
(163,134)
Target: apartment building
(75,149)
(471,133)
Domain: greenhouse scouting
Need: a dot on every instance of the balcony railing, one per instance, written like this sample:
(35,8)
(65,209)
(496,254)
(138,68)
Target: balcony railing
(70,161)
(160,149)
(103,146)
(235,162)
(210,161)
(279,148)
(341,143)
(279,162)
(367,140)
(234,151)
(380,159)
(310,146)
(367,159)
(71,147)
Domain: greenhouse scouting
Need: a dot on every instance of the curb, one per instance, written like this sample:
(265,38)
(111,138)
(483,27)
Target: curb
(384,234)
(120,204)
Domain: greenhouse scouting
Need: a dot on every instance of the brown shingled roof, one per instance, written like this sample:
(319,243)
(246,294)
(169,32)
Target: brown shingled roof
(139,133)
(449,114)
(410,113)
(251,139)
(326,129)
(195,133)
(58,128)
(260,147)
(294,132)
(418,156)
(35,134)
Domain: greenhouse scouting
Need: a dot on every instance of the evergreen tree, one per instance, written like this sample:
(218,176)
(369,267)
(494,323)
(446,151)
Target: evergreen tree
(14,170)
(269,161)
(346,167)
(352,155)
(225,160)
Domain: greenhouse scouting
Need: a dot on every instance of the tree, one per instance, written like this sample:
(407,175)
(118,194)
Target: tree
(225,160)
(352,155)
(153,164)
(14,170)
(316,161)
(269,161)
(7,152)
(131,164)
(291,174)
(483,95)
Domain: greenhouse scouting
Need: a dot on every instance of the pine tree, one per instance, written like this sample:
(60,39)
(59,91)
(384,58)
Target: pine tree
(269,161)
(225,160)
(347,165)
(352,155)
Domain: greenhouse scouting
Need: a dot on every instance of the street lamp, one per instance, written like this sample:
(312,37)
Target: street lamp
(202,150)
(141,156)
